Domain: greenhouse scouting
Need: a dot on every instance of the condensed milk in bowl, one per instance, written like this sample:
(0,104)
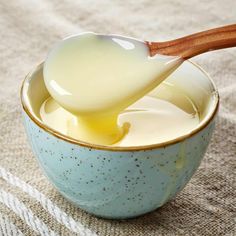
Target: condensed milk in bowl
(114,135)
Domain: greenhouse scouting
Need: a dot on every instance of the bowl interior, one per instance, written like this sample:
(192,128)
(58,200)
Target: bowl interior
(190,79)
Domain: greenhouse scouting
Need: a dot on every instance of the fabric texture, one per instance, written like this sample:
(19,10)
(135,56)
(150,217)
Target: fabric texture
(29,205)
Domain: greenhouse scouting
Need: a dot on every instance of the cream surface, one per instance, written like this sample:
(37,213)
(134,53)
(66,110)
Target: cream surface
(96,77)
(148,121)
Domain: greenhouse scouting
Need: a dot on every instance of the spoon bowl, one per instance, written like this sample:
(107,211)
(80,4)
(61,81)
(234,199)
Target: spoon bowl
(84,72)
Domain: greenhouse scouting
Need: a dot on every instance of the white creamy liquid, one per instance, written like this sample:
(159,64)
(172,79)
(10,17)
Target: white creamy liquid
(94,78)
(150,120)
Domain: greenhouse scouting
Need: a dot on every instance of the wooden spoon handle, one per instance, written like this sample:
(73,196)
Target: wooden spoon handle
(195,44)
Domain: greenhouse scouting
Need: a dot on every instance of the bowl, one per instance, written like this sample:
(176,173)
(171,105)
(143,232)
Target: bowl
(121,182)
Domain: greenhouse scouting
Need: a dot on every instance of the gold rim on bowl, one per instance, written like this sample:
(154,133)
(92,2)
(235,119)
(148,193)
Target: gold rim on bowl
(66,138)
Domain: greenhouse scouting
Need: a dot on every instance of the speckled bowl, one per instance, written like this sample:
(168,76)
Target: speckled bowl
(114,182)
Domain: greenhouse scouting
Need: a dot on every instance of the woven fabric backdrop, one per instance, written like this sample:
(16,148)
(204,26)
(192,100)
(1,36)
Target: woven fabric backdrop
(29,205)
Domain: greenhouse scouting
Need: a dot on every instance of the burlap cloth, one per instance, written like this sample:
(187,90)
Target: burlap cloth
(29,205)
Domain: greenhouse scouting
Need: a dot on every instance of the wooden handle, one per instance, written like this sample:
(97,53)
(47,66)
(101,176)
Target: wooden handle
(195,44)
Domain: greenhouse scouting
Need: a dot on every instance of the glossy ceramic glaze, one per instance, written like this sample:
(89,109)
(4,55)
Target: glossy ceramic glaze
(121,183)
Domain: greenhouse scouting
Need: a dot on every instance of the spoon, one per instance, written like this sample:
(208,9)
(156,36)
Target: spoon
(195,44)
(99,74)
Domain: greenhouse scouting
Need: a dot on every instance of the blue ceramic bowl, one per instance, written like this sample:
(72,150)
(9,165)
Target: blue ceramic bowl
(115,182)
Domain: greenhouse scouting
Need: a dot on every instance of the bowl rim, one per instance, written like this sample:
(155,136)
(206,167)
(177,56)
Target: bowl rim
(66,138)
